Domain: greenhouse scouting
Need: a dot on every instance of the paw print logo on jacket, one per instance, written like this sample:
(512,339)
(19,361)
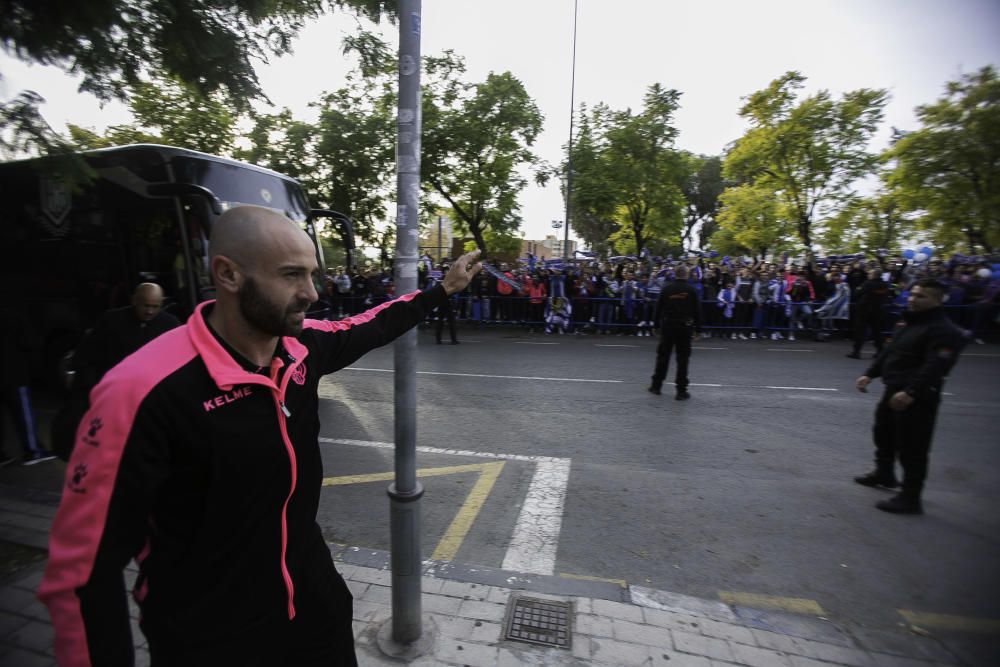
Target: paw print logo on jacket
(76,481)
(299,374)
(96,424)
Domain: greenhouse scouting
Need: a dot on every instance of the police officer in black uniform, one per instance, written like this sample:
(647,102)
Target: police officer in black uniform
(924,348)
(869,304)
(678,314)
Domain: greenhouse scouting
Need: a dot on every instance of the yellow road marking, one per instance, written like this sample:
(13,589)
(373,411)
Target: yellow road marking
(389,476)
(949,622)
(758,601)
(584,577)
(462,523)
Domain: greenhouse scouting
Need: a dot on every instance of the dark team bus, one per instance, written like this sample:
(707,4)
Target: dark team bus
(70,253)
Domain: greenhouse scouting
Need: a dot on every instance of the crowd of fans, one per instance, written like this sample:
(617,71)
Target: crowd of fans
(741,298)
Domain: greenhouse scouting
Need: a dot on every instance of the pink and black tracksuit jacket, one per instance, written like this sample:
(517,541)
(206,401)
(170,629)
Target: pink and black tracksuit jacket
(208,474)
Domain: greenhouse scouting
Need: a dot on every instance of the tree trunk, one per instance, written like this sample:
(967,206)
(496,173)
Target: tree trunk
(477,235)
(637,228)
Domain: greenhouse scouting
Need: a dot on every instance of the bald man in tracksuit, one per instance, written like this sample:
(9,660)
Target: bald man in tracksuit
(678,314)
(199,459)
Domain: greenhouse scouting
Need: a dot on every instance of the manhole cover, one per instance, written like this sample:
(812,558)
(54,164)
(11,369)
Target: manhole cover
(535,621)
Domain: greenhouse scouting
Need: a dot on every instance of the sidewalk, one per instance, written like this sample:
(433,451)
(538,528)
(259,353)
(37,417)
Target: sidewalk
(466,610)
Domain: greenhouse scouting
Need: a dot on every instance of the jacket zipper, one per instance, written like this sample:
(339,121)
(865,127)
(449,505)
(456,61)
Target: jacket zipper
(283,413)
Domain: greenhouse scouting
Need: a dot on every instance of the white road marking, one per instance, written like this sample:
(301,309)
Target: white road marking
(480,375)
(709,348)
(825,399)
(533,545)
(797,388)
(979,354)
(778,349)
(546,379)
(530,342)
(600,345)
(759,386)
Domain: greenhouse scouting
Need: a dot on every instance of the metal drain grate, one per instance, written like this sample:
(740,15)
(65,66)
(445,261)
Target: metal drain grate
(535,621)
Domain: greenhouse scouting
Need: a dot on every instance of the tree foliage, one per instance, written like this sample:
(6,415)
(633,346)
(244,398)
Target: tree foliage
(948,171)
(626,173)
(867,224)
(207,44)
(24,131)
(117,46)
(701,189)
(592,197)
(475,142)
(475,148)
(752,221)
(172,113)
(809,153)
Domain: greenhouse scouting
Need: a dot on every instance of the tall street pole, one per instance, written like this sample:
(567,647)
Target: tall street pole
(569,150)
(405,492)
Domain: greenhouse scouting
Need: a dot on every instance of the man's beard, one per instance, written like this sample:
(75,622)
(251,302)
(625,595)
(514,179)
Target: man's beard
(267,317)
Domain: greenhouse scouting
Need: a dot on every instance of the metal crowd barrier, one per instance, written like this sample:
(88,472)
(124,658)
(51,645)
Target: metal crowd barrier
(595,314)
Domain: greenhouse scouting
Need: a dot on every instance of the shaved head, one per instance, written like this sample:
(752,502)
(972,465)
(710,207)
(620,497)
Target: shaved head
(262,266)
(147,299)
(244,234)
(148,291)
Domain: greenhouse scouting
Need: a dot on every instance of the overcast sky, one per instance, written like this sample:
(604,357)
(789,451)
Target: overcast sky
(714,51)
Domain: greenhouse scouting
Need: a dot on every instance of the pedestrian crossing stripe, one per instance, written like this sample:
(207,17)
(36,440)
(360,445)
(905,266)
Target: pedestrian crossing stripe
(758,601)
(922,619)
(466,516)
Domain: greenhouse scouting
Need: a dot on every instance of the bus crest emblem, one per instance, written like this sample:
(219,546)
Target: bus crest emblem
(55,199)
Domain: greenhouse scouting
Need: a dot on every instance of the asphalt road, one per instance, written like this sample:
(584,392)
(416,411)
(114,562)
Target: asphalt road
(547,454)
(743,490)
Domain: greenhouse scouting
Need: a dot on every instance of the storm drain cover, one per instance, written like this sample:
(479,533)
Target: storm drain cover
(535,621)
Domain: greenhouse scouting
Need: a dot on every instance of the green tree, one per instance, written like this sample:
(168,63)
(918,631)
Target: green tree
(867,224)
(647,169)
(753,221)
(948,171)
(476,143)
(116,45)
(701,187)
(809,153)
(592,198)
(347,158)
(172,113)
(627,172)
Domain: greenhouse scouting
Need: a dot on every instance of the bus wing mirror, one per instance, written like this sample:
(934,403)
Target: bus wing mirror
(177,189)
(345,224)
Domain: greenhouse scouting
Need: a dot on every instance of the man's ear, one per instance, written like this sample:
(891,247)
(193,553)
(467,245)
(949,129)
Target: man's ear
(226,274)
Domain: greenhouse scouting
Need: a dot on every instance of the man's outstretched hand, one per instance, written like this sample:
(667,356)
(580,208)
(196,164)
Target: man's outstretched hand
(461,272)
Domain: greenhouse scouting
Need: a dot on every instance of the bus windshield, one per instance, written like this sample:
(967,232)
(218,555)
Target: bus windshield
(235,184)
